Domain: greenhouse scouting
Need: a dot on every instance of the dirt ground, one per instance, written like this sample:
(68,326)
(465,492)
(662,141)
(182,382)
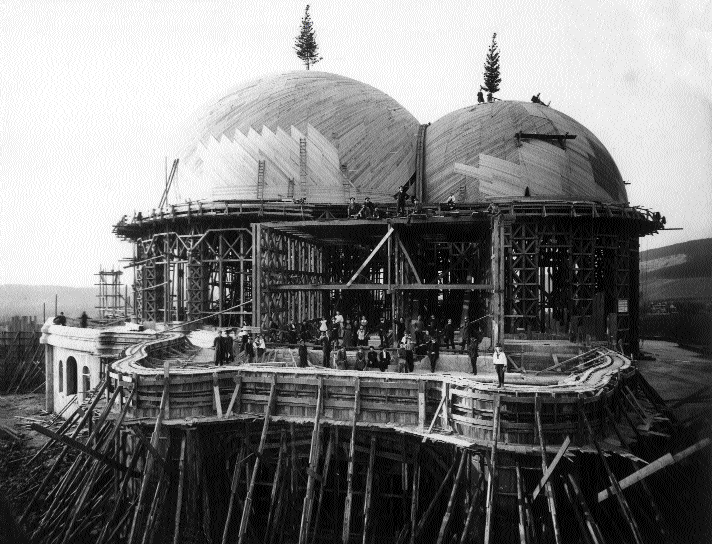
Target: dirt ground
(14,407)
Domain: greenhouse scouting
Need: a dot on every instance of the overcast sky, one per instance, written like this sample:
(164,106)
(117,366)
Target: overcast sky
(93,96)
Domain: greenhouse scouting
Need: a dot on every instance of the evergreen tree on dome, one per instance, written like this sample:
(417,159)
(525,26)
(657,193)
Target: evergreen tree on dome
(492,79)
(305,43)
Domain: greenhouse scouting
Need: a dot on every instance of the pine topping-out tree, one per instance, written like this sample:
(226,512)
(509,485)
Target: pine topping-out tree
(305,43)
(492,79)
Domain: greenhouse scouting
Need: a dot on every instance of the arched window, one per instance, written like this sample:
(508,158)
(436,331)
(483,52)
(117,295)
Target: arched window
(61,376)
(71,376)
(86,379)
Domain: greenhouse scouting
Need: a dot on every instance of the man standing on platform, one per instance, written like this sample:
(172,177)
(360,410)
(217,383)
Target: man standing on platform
(473,351)
(465,332)
(433,352)
(499,359)
(303,356)
(384,359)
(407,345)
(449,334)
(219,346)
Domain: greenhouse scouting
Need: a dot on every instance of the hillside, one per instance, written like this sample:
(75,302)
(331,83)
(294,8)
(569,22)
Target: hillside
(677,272)
(28,300)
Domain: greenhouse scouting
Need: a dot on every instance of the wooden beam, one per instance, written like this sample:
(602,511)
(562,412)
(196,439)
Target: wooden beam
(247,508)
(551,500)
(472,511)
(550,469)
(453,494)
(434,501)
(179,497)
(380,287)
(660,463)
(489,504)
(520,507)
(73,443)
(622,502)
(583,529)
(324,476)
(369,490)
(593,528)
(216,394)
(350,473)
(415,495)
(371,256)
(410,261)
(276,483)
(235,399)
(313,465)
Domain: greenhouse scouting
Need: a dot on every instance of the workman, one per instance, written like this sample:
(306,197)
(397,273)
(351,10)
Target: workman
(499,360)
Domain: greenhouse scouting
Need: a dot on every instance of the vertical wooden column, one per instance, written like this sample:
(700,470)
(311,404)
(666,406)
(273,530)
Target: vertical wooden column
(497,264)
(167,284)
(551,499)
(350,473)
(489,504)
(256,274)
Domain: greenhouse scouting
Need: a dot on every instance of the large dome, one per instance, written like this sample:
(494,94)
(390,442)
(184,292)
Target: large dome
(475,151)
(321,136)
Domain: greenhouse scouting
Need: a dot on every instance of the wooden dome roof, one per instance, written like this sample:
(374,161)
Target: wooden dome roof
(473,152)
(354,140)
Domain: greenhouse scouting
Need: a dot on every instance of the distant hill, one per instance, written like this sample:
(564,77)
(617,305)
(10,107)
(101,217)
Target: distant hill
(28,299)
(677,272)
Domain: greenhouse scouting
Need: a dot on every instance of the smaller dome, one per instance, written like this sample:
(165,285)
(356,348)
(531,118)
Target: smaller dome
(475,148)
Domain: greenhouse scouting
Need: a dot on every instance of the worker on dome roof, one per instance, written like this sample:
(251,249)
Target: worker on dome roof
(351,210)
(401,198)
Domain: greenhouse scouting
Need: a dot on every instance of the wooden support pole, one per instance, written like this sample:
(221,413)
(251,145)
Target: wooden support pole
(415,496)
(313,465)
(235,400)
(148,469)
(216,395)
(622,502)
(551,499)
(322,488)
(583,529)
(453,494)
(660,463)
(410,261)
(489,504)
(241,456)
(276,483)
(550,469)
(435,417)
(246,510)
(434,501)
(369,490)
(179,494)
(421,404)
(520,507)
(472,510)
(350,472)
(591,524)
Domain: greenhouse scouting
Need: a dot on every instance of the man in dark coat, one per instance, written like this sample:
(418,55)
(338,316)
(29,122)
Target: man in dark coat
(360,359)
(401,199)
(325,349)
(352,210)
(449,334)
(473,352)
(227,348)
(433,352)
(83,320)
(384,359)
(303,356)
(465,333)
(219,346)
(372,358)
(249,349)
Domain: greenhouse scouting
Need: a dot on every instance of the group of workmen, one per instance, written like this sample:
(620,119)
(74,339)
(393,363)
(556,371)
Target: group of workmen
(400,341)
(238,345)
(370,210)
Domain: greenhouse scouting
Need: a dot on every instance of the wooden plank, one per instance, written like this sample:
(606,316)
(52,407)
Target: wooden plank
(472,511)
(550,469)
(547,486)
(660,463)
(179,495)
(381,287)
(520,507)
(429,510)
(350,472)
(313,466)
(453,494)
(489,504)
(415,495)
(247,508)
(216,392)
(622,502)
(410,261)
(324,477)
(235,399)
(368,491)
(593,529)
(421,405)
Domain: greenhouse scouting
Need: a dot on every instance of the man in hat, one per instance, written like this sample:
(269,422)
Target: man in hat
(219,347)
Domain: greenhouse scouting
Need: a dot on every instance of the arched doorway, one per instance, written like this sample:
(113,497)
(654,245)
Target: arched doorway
(71,376)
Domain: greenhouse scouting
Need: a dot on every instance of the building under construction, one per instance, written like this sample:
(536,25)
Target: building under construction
(519,222)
